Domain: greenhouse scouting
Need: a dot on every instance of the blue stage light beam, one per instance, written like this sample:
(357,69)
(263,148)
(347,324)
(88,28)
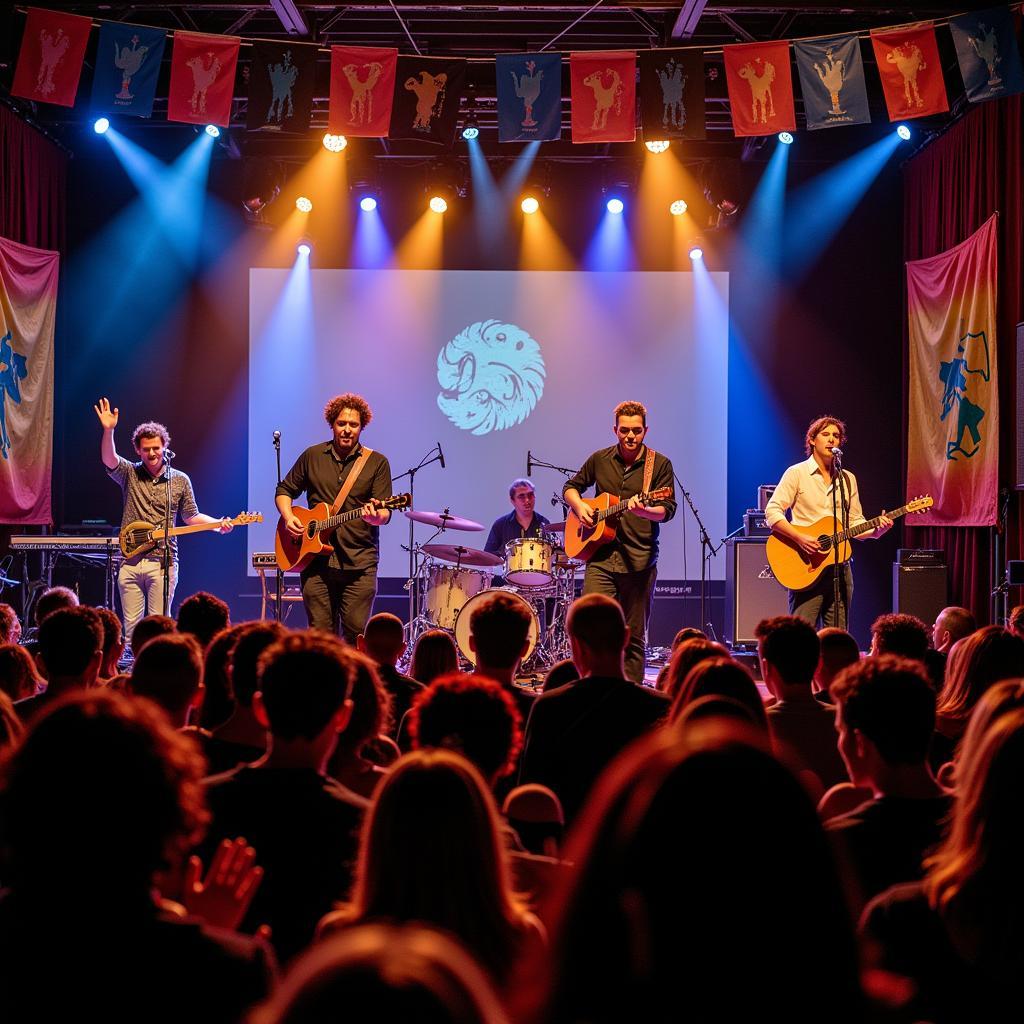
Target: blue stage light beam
(371,246)
(610,248)
(100,125)
(490,218)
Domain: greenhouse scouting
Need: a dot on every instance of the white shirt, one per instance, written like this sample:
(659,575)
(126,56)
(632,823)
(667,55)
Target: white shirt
(806,491)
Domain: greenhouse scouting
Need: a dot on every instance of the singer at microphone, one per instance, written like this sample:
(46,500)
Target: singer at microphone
(522,523)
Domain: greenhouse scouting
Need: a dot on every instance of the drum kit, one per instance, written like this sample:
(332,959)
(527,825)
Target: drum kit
(452,580)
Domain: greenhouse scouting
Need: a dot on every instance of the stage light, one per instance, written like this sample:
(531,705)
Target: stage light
(657,145)
(213,131)
(304,248)
(368,204)
(903,132)
(438,204)
(334,143)
(678,208)
(529,205)
(303,204)
(100,125)
(696,250)
(786,138)
(615,206)
(470,130)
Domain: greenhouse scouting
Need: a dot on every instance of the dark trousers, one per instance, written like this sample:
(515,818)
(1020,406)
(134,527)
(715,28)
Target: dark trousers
(334,597)
(816,604)
(634,591)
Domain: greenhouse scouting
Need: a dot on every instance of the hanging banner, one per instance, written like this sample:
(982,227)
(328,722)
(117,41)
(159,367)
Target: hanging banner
(51,56)
(529,97)
(832,81)
(986,49)
(127,68)
(908,64)
(672,94)
(760,88)
(362,90)
(202,78)
(281,81)
(603,88)
(427,95)
(28,304)
(953,446)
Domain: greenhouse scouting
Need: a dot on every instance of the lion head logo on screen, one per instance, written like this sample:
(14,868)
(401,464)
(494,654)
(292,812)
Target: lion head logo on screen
(491,376)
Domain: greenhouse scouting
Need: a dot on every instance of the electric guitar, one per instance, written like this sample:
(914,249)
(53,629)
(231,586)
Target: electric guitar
(582,541)
(295,553)
(796,570)
(139,537)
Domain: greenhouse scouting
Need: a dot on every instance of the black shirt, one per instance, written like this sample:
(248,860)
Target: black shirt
(507,528)
(636,540)
(321,473)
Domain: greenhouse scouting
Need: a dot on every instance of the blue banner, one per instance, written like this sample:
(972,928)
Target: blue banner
(986,48)
(529,96)
(127,67)
(832,81)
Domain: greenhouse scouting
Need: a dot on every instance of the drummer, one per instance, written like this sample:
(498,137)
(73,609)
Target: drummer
(522,521)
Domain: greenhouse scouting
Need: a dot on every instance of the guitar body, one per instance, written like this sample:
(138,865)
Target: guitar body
(795,569)
(136,538)
(295,553)
(582,541)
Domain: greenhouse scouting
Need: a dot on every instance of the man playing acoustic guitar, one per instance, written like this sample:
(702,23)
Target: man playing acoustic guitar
(806,491)
(626,568)
(339,588)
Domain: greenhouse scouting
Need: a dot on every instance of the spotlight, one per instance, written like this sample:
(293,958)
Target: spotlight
(678,208)
(786,138)
(529,205)
(334,143)
(721,181)
(305,247)
(657,145)
(368,204)
(438,204)
(261,186)
(303,205)
(470,130)
(901,130)
(615,206)
(100,125)
(696,250)
(213,131)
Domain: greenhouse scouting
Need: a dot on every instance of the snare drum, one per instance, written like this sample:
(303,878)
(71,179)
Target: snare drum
(462,623)
(528,561)
(448,589)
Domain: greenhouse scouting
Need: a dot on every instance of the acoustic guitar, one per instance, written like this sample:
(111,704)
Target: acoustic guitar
(139,537)
(796,570)
(582,541)
(295,553)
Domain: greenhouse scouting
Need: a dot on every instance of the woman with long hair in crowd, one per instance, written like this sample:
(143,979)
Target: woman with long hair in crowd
(434,655)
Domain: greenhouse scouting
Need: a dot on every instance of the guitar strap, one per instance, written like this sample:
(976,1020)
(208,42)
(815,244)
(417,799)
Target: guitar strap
(350,480)
(648,470)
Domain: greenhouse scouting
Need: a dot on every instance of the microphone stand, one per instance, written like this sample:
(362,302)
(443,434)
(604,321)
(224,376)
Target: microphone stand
(707,549)
(166,559)
(278,615)
(532,461)
(838,596)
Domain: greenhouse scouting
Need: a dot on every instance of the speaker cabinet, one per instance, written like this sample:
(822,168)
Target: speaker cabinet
(751,591)
(919,590)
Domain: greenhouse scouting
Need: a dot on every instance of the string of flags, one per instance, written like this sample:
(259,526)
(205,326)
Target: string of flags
(376,92)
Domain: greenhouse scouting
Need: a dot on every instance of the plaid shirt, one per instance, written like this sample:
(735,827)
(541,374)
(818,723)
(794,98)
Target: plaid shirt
(145,498)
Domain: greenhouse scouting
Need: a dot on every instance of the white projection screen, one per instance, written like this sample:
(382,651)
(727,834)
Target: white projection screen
(530,361)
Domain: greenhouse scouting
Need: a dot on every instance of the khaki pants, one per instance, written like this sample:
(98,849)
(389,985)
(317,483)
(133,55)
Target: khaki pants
(141,586)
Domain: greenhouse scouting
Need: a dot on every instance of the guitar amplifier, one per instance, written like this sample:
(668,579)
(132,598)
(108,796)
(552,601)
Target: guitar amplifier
(754,524)
(751,591)
(764,495)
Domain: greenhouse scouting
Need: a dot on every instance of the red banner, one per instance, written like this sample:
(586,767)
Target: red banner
(362,90)
(760,88)
(908,64)
(603,84)
(50,61)
(202,78)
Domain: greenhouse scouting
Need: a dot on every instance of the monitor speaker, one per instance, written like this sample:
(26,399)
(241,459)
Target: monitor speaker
(751,591)
(919,590)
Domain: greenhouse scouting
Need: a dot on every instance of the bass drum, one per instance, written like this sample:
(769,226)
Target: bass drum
(448,589)
(462,623)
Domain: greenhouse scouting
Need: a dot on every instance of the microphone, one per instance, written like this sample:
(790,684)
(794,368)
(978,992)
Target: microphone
(529,462)
(837,453)
(168,455)
(277,438)
(440,454)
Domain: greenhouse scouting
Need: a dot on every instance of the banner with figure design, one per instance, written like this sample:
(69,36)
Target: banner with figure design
(28,304)
(672,94)
(832,81)
(529,96)
(127,68)
(362,90)
(202,78)
(603,88)
(51,56)
(986,49)
(910,70)
(281,80)
(760,88)
(427,95)
(953,445)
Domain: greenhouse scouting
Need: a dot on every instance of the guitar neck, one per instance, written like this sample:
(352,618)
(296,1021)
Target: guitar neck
(335,521)
(872,524)
(176,531)
(619,508)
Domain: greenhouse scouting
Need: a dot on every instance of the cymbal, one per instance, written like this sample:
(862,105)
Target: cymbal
(554,528)
(462,555)
(443,520)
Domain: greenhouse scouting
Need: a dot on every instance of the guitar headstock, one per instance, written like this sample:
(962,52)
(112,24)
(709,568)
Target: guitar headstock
(920,503)
(397,501)
(245,518)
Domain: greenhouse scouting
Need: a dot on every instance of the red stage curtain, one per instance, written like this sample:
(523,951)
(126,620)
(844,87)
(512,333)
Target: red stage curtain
(950,189)
(33,185)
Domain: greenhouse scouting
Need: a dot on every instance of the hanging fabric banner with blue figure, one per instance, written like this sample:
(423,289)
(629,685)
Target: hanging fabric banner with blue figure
(832,81)
(282,77)
(986,49)
(671,94)
(127,68)
(529,97)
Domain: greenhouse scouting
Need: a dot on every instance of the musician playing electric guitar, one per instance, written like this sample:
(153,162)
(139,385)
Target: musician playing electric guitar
(338,589)
(626,568)
(806,492)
